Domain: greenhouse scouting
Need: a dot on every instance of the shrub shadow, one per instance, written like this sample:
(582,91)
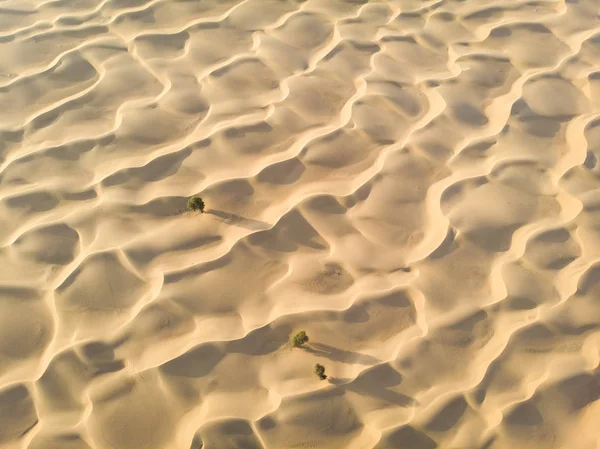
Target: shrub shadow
(238,220)
(340,355)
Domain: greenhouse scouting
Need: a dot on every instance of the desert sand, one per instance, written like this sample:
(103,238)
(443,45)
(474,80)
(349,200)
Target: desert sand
(414,183)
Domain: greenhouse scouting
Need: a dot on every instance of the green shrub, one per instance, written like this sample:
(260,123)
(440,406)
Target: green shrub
(195,203)
(299,339)
(320,371)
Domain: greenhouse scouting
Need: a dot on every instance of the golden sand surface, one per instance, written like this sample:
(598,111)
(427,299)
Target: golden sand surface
(414,183)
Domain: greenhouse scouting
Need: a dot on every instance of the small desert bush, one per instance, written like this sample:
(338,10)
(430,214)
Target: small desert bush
(195,203)
(320,371)
(299,339)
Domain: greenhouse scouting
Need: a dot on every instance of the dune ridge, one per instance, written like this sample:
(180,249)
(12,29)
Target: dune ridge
(414,183)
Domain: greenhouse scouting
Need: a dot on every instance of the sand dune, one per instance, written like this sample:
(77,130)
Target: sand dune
(413,182)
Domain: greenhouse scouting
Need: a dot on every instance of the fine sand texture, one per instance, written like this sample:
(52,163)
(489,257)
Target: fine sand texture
(414,183)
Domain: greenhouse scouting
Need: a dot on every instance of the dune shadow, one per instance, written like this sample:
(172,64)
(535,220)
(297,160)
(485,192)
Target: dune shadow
(449,416)
(581,389)
(470,115)
(34,202)
(384,394)
(376,383)
(340,355)
(156,170)
(379,382)
(339,380)
(238,220)
(405,437)
(195,363)
(227,433)
(161,207)
(101,358)
(524,414)
(446,247)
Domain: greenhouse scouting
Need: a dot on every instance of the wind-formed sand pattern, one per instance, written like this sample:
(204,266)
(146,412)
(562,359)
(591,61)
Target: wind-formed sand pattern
(413,183)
